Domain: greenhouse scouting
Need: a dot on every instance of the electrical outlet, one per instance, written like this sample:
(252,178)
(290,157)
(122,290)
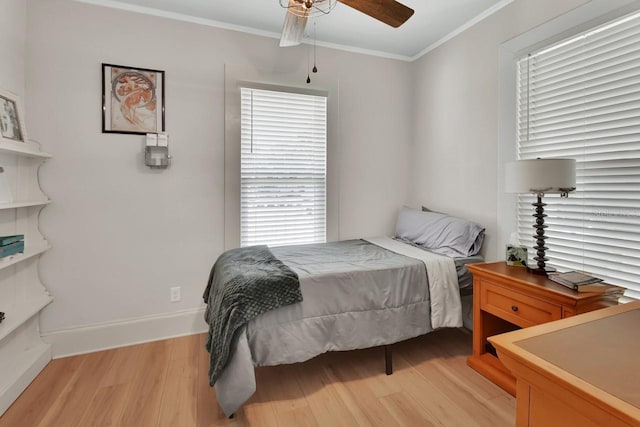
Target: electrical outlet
(175,294)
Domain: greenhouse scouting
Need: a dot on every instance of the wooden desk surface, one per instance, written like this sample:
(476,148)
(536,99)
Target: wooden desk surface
(603,352)
(594,357)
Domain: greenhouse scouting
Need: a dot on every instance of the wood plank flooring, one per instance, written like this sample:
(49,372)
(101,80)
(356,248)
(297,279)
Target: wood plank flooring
(164,383)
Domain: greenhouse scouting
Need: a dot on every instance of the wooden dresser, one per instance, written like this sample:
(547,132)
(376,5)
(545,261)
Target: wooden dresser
(508,298)
(578,372)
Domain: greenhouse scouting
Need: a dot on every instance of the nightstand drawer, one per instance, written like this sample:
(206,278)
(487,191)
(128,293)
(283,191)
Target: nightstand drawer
(516,307)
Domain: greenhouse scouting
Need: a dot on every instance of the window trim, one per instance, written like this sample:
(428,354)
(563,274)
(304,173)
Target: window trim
(239,76)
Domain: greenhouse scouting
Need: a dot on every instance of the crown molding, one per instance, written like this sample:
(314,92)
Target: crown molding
(114,4)
(493,9)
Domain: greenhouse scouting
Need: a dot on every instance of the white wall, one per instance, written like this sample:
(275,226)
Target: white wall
(13,27)
(456,109)
(122,234)
(421,133)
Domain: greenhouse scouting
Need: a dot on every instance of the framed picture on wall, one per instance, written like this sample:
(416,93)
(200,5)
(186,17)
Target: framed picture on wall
(11,118)
(132,100)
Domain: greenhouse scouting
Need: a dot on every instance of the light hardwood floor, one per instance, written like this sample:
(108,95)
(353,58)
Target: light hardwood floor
(164,383)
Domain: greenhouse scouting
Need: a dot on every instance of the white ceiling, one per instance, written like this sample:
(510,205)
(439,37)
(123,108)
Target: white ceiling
(433,22)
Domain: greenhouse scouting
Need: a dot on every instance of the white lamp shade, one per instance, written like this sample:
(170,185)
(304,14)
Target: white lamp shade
(540,176)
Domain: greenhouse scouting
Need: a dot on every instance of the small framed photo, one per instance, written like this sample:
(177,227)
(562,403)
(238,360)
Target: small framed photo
(516,255)
(11,118)
(132,100)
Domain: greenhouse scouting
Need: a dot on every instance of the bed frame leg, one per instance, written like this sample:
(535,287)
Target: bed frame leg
(231,416)
(388,361)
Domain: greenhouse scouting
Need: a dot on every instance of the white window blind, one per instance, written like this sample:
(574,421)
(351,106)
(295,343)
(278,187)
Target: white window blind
(580,98)
(283,168)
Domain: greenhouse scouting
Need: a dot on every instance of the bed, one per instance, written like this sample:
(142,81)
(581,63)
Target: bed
(355,294)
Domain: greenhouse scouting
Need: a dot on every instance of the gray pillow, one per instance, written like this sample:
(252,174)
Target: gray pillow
(426,209)
(440,233)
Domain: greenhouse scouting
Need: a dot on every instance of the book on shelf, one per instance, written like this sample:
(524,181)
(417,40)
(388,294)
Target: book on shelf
(12,249)
(577,281)
(7,240)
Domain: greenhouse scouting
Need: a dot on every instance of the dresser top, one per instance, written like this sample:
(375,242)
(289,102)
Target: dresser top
(521,276)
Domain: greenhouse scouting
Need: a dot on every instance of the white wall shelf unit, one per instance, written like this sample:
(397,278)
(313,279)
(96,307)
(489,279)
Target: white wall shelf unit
(28,253)
(29,149)
(20,313)
(24,204)
(22,296)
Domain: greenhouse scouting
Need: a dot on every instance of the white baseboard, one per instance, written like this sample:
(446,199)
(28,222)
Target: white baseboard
(103,336)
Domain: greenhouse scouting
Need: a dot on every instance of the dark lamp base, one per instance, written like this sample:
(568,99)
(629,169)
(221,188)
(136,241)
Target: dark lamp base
(542,271)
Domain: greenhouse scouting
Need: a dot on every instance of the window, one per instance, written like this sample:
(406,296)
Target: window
(580,98)
(283,168)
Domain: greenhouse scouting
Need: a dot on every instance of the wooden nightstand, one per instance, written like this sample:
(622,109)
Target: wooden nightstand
(507,298)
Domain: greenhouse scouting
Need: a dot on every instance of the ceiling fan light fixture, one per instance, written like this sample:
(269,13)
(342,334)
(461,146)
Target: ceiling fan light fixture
(309,8)
(391,12)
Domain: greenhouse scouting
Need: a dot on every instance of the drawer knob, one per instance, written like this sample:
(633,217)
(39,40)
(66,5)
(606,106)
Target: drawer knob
(514,308)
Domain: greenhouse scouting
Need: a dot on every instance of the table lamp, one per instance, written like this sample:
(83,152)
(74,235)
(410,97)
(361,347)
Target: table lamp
(540,177)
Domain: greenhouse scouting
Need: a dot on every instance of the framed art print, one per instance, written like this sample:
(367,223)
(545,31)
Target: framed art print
(11,118)
(132,100)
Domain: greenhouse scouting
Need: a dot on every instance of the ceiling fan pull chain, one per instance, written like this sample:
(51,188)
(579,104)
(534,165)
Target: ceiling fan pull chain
(308,60)
(315,39)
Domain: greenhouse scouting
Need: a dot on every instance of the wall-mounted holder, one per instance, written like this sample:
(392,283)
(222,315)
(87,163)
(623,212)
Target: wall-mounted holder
(156,151)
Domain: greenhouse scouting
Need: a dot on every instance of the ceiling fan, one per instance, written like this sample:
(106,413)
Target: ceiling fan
(298,11)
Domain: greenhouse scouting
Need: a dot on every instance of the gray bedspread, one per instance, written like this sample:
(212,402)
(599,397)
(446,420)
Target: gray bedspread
(348,287)
(243,284)
(356,295)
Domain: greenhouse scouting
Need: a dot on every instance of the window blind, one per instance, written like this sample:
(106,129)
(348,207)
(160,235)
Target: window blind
(580,98)
(283,168)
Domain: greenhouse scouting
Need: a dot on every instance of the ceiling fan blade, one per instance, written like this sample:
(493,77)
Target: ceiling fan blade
(294,22)
(388,11)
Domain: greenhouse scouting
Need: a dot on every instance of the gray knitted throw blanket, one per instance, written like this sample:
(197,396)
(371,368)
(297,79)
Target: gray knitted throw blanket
(243,284)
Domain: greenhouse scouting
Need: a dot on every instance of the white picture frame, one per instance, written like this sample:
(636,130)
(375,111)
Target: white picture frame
(12,128)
